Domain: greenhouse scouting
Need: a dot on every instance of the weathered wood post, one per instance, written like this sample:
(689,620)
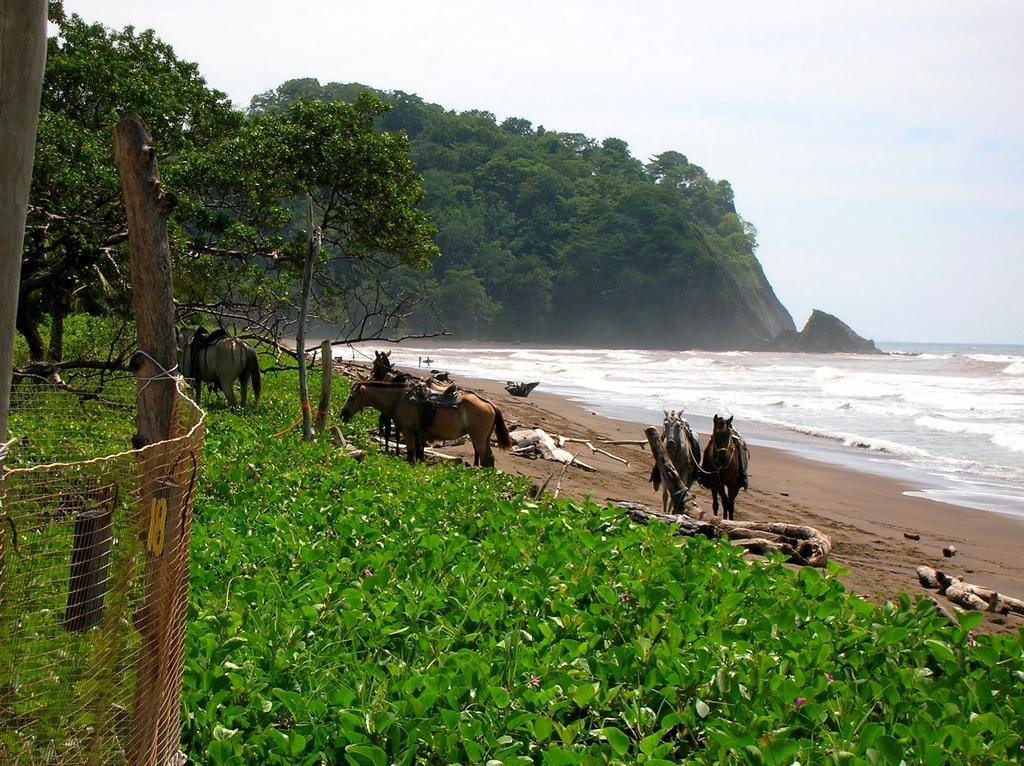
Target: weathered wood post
(326,368)
(312,250)
(22,58)
(156,728)
(90,558)
(669,475)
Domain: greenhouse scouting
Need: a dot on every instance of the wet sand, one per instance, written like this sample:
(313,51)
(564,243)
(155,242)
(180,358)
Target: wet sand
(865,515)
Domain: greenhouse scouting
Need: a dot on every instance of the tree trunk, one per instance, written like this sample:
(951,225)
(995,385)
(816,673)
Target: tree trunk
(28,326)
(156,729)
(56,350)
(312,249)
(22,58)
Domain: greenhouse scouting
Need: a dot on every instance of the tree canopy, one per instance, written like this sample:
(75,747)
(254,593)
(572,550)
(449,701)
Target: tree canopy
(558,236)
(238,235)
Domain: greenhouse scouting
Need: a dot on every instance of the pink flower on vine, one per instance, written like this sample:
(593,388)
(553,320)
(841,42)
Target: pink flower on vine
(535,680)
(799,702)
(829,678)
(367,572)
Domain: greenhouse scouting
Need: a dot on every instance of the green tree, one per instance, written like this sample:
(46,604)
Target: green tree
(75,234)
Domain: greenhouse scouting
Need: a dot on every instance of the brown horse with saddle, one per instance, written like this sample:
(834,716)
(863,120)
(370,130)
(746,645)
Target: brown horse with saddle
(724,466)
(421,414)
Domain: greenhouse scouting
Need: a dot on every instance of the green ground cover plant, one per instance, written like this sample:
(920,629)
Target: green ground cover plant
(379,613)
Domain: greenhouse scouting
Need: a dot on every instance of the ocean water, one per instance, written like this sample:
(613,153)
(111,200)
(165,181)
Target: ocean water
(947,419)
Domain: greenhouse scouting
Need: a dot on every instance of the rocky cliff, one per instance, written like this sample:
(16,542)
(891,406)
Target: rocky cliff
(823,334)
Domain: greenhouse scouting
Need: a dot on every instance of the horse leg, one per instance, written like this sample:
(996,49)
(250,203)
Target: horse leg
(227,385)
(714,501)
(243,383)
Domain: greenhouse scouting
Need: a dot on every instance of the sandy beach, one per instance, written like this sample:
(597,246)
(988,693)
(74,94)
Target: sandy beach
(865,515)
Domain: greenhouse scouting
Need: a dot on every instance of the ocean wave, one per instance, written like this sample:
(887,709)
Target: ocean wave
(1006,435)
(1013,441)
(848,439)
(1017,368)
(829,373)
(1001,358)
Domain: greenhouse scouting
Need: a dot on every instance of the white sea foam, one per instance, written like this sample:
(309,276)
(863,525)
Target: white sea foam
(1011,440)
(1016,368)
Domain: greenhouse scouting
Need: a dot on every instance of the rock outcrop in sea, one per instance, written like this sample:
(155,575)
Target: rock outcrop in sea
(823,334)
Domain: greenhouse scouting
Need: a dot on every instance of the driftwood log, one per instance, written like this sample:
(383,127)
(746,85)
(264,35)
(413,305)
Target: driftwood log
(535,442)
(670,478)
(968,595)
(801,544)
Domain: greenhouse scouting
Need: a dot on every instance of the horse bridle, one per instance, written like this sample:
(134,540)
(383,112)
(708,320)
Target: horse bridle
(728,450)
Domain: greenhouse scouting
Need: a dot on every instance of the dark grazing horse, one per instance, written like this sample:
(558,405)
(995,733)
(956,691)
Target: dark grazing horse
(384,370)
(722,466)
(471,415)
(217,358)
(683,450)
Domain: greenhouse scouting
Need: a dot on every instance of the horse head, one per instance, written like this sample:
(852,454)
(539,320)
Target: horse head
(672,431)
(721,433)
(355,402)
(382,365)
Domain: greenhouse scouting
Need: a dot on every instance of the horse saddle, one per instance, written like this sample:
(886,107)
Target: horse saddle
(428,401)
(203,339)
(448,398)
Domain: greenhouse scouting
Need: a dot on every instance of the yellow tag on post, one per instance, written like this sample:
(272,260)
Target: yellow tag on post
(157,526)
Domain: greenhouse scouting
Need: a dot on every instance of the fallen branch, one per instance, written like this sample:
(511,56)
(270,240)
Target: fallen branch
(624,442)
(562,440)
(801,544)
(558,487)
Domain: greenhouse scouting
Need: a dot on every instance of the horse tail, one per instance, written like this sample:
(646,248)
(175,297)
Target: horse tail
(252,364)
(504,440)
(705,471)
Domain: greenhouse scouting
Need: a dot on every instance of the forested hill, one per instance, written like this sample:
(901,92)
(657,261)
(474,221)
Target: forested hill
(557,237)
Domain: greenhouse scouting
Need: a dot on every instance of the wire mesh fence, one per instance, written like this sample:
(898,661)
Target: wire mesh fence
(94,540)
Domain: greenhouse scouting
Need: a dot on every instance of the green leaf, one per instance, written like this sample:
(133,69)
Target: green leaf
(941,649)
(615,737)
(584,693)
(361,755)
(702,708)
(500,696)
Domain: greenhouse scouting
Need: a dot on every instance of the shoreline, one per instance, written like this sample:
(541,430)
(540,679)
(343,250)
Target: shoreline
(866,515)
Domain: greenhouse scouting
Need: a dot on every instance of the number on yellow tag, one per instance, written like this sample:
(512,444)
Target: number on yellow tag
(157,526)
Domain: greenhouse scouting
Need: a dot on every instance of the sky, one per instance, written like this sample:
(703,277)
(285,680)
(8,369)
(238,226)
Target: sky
(878,147)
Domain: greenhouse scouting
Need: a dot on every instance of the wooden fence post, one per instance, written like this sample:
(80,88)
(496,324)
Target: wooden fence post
(156,728)
(326,367)
(22,58)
